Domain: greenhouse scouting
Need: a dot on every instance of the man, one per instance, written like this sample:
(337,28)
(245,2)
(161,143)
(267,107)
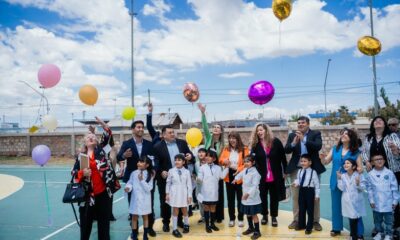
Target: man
(164,153)
(155,135)
(131,150)
(304,141)
(393,124)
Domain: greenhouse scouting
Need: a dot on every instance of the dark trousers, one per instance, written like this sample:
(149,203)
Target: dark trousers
(396,222)
(151,215)
(164,207)
(354,223)
(219,211)
(306,204)
(101,212)
(231,191)
(272,190)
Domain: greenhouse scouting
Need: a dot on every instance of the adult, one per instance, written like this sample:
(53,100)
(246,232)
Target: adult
(346,148)
(99,179)
(132,150)
(214,140)
(393,124)
(303,141)
(155,135)
(271,163)
(232,157)
(380,141)
(164,153)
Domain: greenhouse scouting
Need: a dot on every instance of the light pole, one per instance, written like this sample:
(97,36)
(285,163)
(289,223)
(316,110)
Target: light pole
(41,94)
(373,63)
(20,114)
(326,77)
(133,14)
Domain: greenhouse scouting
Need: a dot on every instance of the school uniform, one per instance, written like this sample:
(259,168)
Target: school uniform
(140,203)
(209,176)
(251,180)
(179,187)
(308,182)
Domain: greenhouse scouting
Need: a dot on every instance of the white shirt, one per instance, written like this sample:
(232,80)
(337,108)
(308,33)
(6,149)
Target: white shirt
(382,189)
(310,173)
(173,150)
(251,180)
(139,146)
(233,159)
(209,175)
(352,195)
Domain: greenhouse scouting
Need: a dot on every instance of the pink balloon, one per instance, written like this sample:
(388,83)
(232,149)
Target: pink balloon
(49,75)
(261,92)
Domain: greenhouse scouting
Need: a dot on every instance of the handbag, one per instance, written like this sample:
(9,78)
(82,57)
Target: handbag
(74,192)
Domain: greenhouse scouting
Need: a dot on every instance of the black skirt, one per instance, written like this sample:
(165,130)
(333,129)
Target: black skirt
(209,203)
(250,210)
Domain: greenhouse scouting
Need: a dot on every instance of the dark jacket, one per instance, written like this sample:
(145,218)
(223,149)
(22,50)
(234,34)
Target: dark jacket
(278,164)
(313,145)
(155,135)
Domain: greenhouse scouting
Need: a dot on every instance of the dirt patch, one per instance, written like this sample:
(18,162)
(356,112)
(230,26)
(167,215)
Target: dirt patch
(29,161)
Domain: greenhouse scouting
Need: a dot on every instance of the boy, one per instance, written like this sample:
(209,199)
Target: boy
(201,156)
(383,196)
(307,180)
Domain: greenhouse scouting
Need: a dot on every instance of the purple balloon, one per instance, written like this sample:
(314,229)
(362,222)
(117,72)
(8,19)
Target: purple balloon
(41,154)
(261,92)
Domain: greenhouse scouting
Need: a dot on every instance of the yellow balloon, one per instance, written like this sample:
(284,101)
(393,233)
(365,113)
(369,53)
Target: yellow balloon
(281,8)
(369,45)
(88,94)
(128,113)
(33,129)
(194,137)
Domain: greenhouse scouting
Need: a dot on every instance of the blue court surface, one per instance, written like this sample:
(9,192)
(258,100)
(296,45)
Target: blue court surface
(24,214)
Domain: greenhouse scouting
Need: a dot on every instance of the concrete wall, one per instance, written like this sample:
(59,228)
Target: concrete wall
(67,144)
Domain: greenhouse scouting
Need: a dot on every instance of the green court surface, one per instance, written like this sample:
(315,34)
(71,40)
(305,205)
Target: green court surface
(24,213)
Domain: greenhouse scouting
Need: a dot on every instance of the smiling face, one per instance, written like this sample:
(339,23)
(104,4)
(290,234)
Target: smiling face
(379,123)
(209,159)
(142,165)
(179,163)
(169,135)
(305,163)
(261,132)
(201,155)
(348,166)
(344,137)
(232,142)
(138,130)
(248,163)
(378,162)
(303,126)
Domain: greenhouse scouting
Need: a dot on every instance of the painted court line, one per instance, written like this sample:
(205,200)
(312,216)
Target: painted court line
(70,224)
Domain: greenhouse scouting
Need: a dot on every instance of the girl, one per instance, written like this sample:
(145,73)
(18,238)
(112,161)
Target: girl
(179,193)
(251,201)
(209,176)
(140,184)
(352,186)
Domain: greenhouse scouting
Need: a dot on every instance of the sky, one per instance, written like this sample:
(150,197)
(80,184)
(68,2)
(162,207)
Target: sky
(223,46)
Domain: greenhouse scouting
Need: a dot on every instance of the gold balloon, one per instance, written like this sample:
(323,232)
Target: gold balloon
(33,129)
(281,8)
(88,94)
(369,45)
(191,92)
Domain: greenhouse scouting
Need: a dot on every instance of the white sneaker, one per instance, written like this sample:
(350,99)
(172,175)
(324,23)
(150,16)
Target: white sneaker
(241,224)
(387,237)
(231,223)
(378,236)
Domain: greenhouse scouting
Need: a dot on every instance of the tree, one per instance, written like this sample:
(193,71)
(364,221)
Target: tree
(390,110)
(341,116)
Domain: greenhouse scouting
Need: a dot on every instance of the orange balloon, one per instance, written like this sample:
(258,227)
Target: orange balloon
(88,94)
(369,45)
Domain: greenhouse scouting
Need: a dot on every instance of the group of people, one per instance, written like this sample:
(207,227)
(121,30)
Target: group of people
(195,177)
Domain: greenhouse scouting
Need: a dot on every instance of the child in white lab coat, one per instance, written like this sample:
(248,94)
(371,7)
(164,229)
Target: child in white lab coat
(251,201)
(209,176)
(140,184)
(179,193)
(201,160)
(383,196)
(352,184)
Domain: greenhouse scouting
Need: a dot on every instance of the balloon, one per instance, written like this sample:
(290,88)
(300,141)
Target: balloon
(281,8)
(194,137)
(369,45)
(88,94)
(128,113)
(49,122)
(41,154)
(33,129)
(261,92)
(49,75)
(191,92)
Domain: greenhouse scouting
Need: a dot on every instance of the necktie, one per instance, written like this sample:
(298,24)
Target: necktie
(180,174)
(247,170)
(303,178)
(211,169)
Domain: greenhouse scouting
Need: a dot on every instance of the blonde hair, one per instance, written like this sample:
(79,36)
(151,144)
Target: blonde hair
(268,137)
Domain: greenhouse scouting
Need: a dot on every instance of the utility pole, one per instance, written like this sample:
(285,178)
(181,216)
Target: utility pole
(326,77)
(132,13)
(373,63)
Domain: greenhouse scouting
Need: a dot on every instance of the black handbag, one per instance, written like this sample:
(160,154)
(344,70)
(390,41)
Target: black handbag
(74,193)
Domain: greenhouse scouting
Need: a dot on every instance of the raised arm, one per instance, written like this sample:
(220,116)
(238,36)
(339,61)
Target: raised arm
(204,123)
(149,122)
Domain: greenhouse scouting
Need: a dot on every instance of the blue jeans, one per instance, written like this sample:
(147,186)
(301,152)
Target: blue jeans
(387,218)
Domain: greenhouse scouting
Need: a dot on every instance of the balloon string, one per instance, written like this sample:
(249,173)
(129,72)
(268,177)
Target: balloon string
(279,34)
(49,221)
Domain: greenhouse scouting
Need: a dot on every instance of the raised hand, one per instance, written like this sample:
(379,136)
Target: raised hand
(150,107)
(128,153)
(201,107)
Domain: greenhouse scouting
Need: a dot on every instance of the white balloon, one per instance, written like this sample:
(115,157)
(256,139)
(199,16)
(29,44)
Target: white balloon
(49,122)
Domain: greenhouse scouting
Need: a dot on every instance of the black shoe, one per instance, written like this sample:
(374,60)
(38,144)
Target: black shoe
(335,233)
(190,213)
(274,222)
(264,220)
(151,232)
(134,236)
(214,228)
(256,235)
(308,232)
(200,221)
(185,228)
(176,233)
(180,224)
(219,220)
(248,231)
(165,228)
(129,217)
(208,230)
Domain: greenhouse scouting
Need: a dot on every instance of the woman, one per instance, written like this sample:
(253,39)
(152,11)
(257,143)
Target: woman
(346,148)
(381,141)
(215,141)
(271,163)
(99,178)
(232,157)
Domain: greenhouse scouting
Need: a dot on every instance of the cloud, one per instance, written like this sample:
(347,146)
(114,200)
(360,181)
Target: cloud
(156,8)
(235,75)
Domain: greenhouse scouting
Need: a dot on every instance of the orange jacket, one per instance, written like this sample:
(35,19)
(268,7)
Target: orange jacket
(225,156)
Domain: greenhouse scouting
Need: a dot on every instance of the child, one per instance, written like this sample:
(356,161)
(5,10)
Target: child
(140,184)
(251,201)
(383,196)
(209,176)
(201,155)
(179,193)
(307,180)
(352,186)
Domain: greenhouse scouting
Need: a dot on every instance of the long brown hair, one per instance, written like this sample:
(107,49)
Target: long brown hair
(239,142)
(221,137)
(268,137)
(353,144)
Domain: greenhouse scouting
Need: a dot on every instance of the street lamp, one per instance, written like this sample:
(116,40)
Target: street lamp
(373,63)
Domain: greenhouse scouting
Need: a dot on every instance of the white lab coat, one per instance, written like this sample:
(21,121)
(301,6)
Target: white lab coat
(141,193)
(179,187)
(208,176)
(353,205)
(251,180)
(382,189)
